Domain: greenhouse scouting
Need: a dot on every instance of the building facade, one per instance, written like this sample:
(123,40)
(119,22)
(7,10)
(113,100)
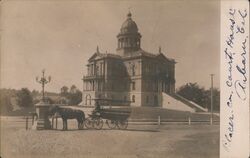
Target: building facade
(131,74)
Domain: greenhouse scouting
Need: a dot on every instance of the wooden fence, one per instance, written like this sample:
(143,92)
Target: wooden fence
(157,121)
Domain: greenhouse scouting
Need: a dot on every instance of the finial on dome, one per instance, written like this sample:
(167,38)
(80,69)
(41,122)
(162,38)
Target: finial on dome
(129,14)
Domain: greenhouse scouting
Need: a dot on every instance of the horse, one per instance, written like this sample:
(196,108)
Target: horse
(68,113)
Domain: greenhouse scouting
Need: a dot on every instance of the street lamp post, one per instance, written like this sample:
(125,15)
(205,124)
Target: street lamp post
(211,118)
(43,80)
(42,108)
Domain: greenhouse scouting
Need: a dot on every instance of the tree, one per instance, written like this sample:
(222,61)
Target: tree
(64,91)
(75,98)
(202,97)
(34,93)
(74,95)
(193,92)
(73,89)
(49,100)
(24,98)
(216,99)
(5,102)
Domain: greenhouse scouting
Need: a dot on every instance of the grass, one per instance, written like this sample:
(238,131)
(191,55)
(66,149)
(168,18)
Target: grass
(165,114)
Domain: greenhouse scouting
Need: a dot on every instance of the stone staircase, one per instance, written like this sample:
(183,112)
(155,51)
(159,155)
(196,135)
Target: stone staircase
(177,102)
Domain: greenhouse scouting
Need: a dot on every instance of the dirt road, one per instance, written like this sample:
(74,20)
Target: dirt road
(139,141)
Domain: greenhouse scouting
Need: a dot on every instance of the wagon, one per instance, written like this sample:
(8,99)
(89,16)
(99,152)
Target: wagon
(115,116)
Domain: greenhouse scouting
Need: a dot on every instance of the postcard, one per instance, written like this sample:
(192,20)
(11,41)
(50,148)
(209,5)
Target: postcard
(124,79)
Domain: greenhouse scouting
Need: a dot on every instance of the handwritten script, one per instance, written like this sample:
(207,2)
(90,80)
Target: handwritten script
(235,51)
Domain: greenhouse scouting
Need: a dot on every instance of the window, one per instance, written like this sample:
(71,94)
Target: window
(92,69)
(125,98)
(101,68)
(112,86)
(125,86)
(88,100)
(97,70)
(156,86)
(146,69)
(88,70)
(133,85)
(133,70)
(93,85)
(86,86)
(155,100)
(148,86)
(133,98)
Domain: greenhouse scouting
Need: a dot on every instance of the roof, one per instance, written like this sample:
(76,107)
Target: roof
(103,55)
(146,54)
(133,54)
(97,55)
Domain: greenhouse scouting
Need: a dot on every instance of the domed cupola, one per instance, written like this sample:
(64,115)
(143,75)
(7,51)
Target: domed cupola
(129,39)
(129,26)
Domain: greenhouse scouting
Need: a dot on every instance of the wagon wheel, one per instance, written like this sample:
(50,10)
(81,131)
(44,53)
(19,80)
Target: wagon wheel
(98,123)
(122,124)
(111,124)
(88,123)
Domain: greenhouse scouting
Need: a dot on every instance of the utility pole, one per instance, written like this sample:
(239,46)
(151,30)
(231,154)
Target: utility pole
(43,80)
(211,118)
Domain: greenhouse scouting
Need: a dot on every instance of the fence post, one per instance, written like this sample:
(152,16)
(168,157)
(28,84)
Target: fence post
(56,122)
(159,120)
(27,119)
(52,126)
(189,120)
(33,117)
(211,121)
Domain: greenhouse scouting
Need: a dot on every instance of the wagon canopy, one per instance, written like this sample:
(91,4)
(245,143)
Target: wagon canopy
(111,102)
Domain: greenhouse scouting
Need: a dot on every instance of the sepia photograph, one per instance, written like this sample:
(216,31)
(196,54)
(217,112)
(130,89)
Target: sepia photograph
(110,79)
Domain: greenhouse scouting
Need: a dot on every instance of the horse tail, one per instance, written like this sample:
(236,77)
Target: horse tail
(83,116)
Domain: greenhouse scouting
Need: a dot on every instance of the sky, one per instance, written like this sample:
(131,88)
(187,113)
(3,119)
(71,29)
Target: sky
(60,36)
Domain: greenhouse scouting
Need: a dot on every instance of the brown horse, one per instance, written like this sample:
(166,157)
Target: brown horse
(68,113)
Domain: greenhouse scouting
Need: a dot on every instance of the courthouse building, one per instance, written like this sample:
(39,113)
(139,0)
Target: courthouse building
(131,74)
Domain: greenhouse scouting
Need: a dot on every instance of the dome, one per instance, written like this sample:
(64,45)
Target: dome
(129,26)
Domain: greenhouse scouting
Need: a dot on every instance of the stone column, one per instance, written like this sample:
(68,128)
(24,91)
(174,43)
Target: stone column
(43,122)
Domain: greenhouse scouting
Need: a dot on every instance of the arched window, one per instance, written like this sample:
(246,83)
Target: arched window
(134,42)
(133,98)
(147,99)
(155,100)
(119,43)
(122,43)
(125,42)
(97,70)
(93,85)
(132,68)
(133,85)
(88,99)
